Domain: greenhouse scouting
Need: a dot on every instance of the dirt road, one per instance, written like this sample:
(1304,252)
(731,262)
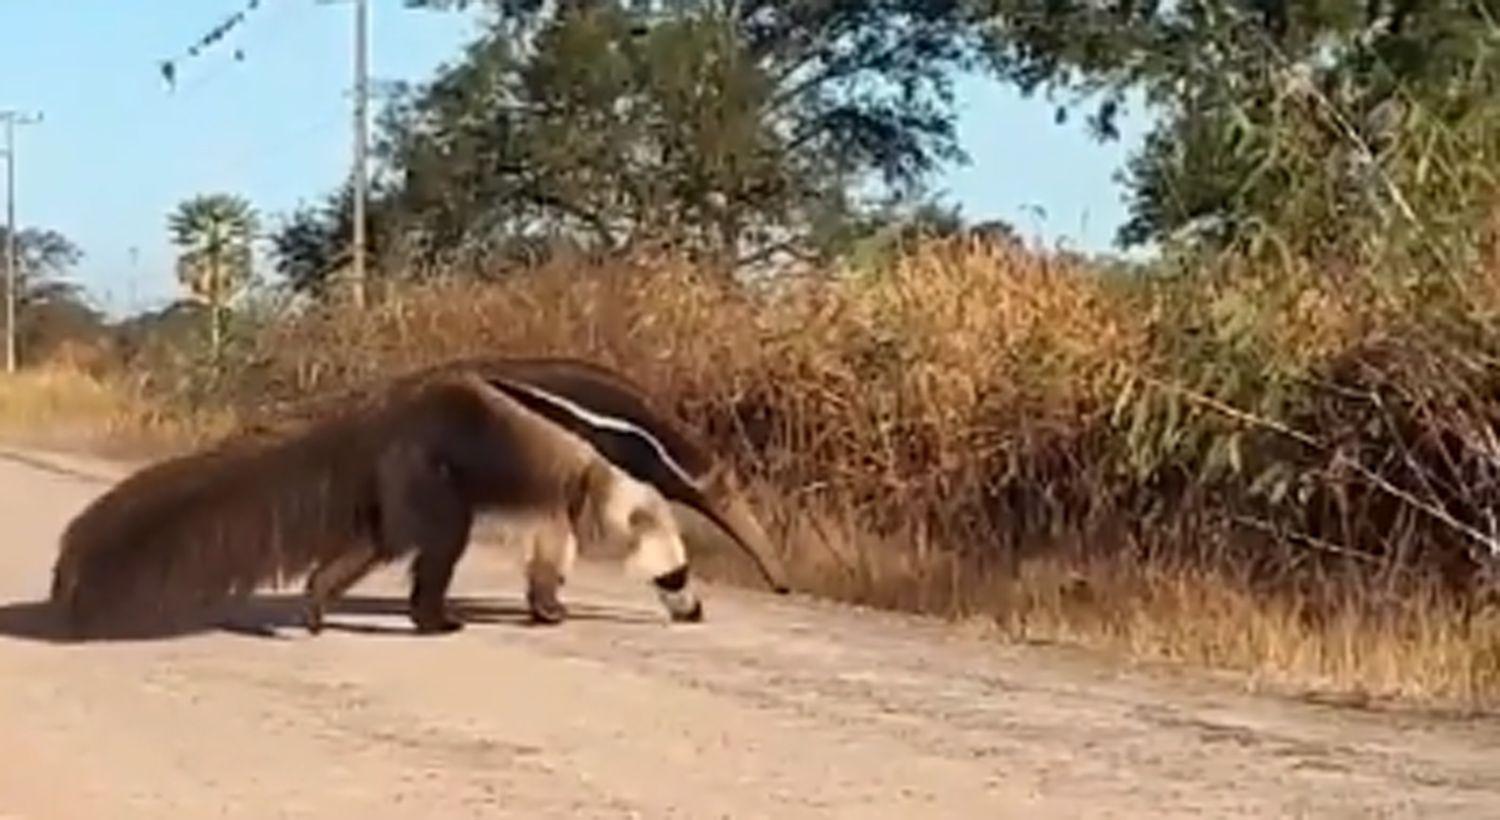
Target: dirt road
(771,708)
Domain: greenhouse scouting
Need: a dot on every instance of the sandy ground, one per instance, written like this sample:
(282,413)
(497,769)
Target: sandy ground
(772,708)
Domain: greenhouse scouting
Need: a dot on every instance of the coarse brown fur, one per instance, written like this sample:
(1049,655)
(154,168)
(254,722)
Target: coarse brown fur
(401,475)
(709,486)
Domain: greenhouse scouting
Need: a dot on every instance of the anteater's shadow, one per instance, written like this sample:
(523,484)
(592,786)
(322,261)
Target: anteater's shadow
(279,616)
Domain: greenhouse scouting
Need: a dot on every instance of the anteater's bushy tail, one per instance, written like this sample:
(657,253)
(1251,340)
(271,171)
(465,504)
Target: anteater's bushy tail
(191,532)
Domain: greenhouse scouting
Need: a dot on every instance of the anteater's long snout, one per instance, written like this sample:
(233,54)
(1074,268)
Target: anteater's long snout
(729,509)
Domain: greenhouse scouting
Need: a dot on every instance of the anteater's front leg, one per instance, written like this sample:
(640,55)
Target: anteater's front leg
(550,554)
(422,510)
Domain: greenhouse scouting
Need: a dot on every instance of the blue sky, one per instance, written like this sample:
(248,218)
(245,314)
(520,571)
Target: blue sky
(117,149)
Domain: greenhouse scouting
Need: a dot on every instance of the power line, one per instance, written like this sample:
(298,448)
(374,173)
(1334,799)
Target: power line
(247,46)
(272,148)
(11,120)
(168,67)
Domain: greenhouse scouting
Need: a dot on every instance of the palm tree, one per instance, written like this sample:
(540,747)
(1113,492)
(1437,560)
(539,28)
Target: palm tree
(214,232)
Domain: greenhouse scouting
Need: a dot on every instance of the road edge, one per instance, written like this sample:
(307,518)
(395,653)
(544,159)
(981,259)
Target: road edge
(97,470)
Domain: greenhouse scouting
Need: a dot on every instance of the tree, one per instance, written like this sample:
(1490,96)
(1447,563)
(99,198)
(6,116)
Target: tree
(311,245)
(43,259)
(314,243)
(1329,124)
(214,233)
(49,308)
(724,130)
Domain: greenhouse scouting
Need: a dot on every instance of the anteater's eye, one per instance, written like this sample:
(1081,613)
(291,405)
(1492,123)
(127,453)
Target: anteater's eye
(641,519)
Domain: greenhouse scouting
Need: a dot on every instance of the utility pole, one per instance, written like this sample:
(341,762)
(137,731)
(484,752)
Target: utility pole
(361,142)
(11,120)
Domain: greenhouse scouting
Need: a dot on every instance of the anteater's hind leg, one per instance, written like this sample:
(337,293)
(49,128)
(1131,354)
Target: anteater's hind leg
(421,510)
(331,580)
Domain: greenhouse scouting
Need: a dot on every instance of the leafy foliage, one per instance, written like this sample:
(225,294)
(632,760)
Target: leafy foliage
(43,259)
(1336,126)
(215,233)
(731,132)
(314,243)
(50,309)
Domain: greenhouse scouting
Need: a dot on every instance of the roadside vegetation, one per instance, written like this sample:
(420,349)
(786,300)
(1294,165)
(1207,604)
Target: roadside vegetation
(1272,446)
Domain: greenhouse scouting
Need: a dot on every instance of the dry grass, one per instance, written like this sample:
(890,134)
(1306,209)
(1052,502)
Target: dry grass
(987,433)
(69,409)
(1422,651)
